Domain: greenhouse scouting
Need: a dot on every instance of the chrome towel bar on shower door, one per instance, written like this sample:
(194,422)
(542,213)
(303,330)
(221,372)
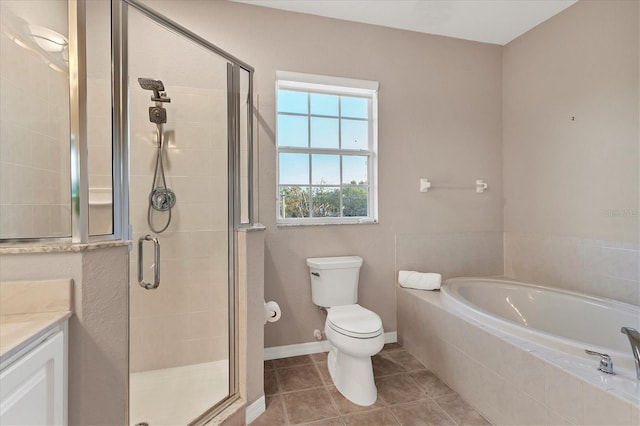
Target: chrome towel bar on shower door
(156,263)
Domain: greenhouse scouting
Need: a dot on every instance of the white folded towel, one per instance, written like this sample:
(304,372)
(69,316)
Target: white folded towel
(419,280)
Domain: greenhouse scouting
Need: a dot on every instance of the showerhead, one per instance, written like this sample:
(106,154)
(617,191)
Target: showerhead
(151,84)
(156,86)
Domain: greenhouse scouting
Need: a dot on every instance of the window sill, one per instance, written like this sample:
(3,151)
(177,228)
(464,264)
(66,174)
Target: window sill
(331,223)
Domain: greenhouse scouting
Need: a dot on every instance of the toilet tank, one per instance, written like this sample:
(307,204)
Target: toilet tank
(334,280)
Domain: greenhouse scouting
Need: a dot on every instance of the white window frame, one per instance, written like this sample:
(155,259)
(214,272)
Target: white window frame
(336,86)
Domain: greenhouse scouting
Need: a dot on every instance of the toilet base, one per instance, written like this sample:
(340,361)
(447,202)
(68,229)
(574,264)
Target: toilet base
(353,377)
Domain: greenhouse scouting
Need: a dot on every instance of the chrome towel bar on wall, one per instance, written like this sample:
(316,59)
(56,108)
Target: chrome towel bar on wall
(480,186)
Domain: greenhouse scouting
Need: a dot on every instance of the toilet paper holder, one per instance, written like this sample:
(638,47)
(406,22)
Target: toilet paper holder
(272,312)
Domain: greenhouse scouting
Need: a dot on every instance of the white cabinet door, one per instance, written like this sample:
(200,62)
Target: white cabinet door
(32,389)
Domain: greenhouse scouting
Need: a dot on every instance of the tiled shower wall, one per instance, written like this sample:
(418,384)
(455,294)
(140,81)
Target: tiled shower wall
(602,268)
(451,254)
(185,320)
(34,148)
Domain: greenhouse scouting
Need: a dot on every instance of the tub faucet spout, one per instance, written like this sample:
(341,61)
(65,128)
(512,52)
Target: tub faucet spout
(634,339)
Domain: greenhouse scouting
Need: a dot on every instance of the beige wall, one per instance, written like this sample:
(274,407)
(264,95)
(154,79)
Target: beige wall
(440,117)
(563,176)
(250,255)
(571,144)
(98,339)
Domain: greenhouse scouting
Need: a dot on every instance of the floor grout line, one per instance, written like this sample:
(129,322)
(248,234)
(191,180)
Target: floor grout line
(284,411)
(384,406)
(445,412)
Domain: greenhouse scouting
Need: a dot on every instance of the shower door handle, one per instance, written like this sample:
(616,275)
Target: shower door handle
(156,263)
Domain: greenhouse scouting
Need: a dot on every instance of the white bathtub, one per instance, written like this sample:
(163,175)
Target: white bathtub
(515,351)
(562,320)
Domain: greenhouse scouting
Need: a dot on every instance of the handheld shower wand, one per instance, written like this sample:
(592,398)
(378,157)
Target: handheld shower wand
(161,198)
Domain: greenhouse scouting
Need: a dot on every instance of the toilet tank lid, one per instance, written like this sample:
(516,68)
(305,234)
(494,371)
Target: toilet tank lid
(335,262)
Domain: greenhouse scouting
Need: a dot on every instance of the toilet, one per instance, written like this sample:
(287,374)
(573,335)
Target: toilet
(355,333)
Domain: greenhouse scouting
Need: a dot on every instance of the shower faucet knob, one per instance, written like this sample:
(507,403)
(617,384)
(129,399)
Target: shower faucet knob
(163,199)
(157,115)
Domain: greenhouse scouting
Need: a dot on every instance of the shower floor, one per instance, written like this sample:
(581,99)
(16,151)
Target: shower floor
(176,396)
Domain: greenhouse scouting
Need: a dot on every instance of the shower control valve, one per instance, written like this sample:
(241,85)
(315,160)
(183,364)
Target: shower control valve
(157,115)
(162,199)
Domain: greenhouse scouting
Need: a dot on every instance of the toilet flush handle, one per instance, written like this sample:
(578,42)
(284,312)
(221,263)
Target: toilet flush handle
(315,274)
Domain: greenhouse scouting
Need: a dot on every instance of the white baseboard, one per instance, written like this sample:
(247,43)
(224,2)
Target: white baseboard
(391,337)
(254,410)
(277,352)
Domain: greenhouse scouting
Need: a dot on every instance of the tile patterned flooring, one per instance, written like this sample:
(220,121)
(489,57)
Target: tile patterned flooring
(299,390)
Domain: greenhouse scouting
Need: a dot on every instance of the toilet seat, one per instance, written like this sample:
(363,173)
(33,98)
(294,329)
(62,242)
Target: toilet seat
(354,321)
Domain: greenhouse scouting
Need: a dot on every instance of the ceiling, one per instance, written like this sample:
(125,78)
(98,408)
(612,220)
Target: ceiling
(489,21)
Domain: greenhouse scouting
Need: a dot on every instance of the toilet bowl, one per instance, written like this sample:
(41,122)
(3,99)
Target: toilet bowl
(355,334)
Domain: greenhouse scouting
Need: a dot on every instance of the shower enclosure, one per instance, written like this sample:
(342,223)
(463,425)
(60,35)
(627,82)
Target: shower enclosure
(189,189)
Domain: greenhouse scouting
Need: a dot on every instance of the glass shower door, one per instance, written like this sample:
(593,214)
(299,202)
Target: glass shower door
(179,331)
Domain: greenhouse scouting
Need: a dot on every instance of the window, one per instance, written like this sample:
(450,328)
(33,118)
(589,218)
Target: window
(326,145)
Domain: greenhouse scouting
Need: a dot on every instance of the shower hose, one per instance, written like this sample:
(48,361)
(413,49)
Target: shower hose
(163,185)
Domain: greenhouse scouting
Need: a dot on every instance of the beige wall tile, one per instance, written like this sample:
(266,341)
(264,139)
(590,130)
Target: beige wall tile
(563,394)
(556,419)
(528,411)
(494,353)
(529,374)
(577,264)
(602,408)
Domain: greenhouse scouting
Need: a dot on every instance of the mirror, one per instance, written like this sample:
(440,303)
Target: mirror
(34,120)
(99,116)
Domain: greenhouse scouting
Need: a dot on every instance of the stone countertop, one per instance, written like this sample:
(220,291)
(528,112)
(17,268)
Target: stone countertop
(58,247)
(21,331)
(29,312)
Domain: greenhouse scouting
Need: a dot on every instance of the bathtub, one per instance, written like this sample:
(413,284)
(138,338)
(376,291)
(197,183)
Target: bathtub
(566,321)
(515,351)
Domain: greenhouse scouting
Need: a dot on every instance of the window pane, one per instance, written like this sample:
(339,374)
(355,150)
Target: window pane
(325,169)
(354,107)
(354,201)
(324,104)
(294,201)
(294,169)
(292,131)
(355,134)
(354,170)
(324,132)
(290,101)
(326,202)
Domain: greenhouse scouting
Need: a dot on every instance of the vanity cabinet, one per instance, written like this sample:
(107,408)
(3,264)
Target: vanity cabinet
(33,388)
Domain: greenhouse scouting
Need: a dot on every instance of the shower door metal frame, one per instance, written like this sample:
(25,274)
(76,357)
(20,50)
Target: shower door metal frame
(233,67)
